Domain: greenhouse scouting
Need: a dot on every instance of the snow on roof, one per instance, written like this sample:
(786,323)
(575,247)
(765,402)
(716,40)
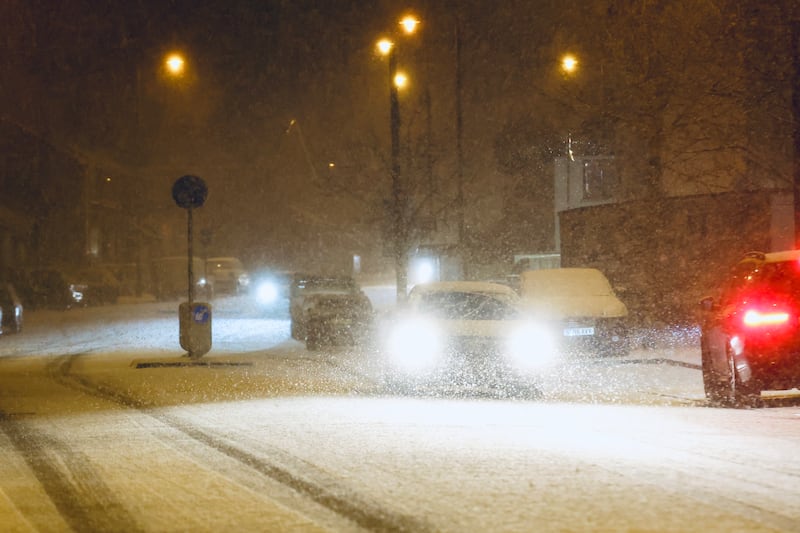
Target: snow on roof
(564,282)
(786,255)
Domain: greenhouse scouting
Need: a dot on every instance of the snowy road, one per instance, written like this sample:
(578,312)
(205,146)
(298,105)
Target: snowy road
(105,427)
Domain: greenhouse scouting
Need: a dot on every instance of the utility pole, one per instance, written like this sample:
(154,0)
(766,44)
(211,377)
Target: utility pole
(460,154)
(795,43)
(399,229)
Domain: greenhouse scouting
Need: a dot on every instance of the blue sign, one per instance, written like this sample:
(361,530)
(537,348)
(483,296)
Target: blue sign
(201,314)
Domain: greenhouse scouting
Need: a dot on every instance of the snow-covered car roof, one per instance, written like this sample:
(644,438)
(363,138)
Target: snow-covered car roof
(570,292)
(775,257)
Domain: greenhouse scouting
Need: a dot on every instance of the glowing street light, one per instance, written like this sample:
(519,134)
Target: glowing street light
(400,80)
(409,24)
(569,63)
(385,46)
(175,64)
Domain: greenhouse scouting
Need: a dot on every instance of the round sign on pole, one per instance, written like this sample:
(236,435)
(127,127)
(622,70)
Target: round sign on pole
(189,192)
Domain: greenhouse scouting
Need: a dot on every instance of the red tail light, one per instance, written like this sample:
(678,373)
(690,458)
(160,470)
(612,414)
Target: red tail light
(758,318)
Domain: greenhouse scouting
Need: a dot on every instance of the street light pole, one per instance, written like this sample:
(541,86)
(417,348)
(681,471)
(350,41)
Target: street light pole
(399,230)
(460,154)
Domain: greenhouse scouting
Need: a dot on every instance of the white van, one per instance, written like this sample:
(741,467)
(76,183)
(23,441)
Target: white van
(227,274)
(581,304)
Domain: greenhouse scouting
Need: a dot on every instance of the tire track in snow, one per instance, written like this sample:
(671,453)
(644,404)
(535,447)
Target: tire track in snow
(366,514)
(76,489)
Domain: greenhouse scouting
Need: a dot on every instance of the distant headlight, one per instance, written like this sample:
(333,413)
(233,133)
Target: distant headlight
(77,294)
(244,280)
(202,282)
(267,292)
(414,345)
(532,346)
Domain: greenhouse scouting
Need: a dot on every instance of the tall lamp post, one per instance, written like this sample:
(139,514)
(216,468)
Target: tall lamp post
(398,199)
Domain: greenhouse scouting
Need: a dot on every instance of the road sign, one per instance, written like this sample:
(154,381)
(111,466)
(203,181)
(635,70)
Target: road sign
(189,192)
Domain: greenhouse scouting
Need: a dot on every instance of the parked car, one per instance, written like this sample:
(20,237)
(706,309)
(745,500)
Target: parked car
(97,285)
(305,285)
(337,319)
(228,274)
(750,333)
(11,309)
(580,308)
(51,289)
(465,334)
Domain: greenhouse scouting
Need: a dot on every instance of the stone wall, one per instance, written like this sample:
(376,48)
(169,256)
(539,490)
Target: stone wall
(666,254)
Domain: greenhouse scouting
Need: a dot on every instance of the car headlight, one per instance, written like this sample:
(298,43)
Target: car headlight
(77,294)
(267,292)
(532,346)
(414,345)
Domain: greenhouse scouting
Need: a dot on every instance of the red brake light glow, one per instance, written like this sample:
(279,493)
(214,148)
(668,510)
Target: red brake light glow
(756,318)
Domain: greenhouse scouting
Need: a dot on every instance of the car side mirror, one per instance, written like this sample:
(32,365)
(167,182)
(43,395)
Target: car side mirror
(707,304)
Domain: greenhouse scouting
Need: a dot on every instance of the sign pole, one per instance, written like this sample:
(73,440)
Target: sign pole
(190,248)
(194,318)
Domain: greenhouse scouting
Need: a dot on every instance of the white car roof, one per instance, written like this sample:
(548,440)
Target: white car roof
(787,255)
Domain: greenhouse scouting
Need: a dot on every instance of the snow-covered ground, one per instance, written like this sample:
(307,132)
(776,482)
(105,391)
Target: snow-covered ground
(105,425)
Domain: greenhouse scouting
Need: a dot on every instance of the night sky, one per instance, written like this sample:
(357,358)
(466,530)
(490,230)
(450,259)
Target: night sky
(88,75)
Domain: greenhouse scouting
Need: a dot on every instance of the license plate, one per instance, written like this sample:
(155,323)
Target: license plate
(578,332)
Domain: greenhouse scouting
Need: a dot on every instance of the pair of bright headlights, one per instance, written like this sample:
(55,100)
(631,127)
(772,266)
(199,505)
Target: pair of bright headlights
(418,344)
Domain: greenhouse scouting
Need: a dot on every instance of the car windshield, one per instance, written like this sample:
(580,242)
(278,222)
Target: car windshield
(465,306)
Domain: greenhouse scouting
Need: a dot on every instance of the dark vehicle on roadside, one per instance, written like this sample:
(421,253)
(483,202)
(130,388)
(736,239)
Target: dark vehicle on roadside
(51,289)
(337,319)
(97,284)
(303,286)
(11,308)
(750,338)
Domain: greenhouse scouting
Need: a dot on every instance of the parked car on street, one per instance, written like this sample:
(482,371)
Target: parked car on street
(51,289)
(465,334)
(750,333)
(11,309)
(580,307)
(337,319)
(97,284)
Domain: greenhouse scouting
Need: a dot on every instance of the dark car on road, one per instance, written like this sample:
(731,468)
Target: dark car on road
(11,307)
(751,333)
(337,319)
(304,286)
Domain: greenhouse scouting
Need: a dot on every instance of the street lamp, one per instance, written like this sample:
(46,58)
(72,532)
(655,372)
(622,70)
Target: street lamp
(175,64)
(398,208)
(569,64)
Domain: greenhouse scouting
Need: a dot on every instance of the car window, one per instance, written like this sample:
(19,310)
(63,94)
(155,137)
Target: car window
(465,306)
